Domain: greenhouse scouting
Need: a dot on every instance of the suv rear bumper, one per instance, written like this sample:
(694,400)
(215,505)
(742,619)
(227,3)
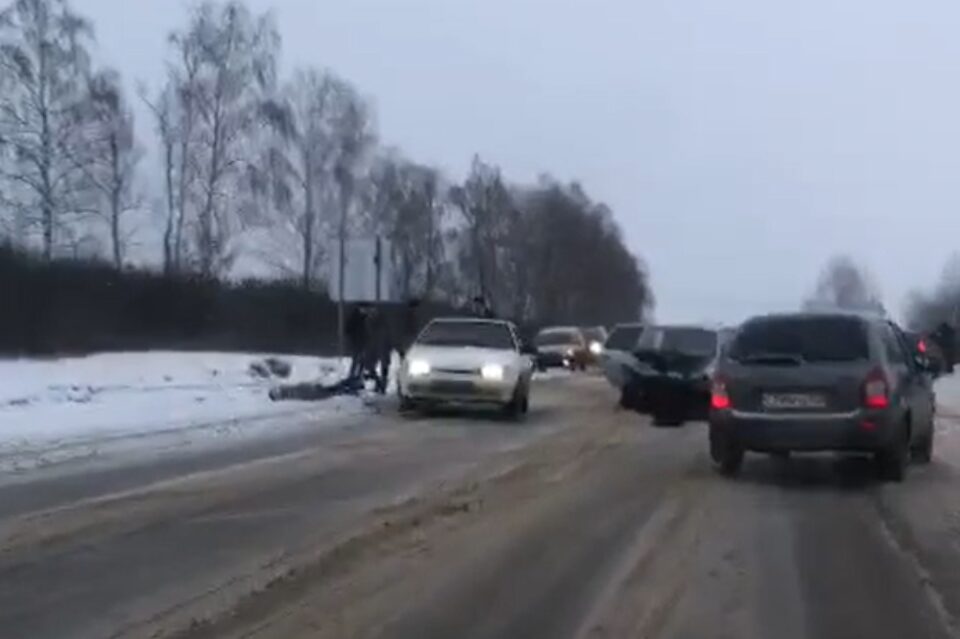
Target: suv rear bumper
(856,431)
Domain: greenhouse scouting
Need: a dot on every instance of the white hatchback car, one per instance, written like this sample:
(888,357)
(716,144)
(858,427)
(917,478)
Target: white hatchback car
(467,361)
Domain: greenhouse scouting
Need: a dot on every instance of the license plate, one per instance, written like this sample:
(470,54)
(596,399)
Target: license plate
(449,386)
(793,401)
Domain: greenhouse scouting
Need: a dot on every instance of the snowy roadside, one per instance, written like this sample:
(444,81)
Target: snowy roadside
(57,410)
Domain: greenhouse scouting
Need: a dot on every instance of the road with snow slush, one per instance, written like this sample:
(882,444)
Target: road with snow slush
(585,521)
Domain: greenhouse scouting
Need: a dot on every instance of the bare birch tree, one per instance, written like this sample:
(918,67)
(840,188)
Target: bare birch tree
(225,67)
(44,63)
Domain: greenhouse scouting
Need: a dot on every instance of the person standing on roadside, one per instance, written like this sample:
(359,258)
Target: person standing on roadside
(381,348)
(409,327)
(356,334)
(946,338)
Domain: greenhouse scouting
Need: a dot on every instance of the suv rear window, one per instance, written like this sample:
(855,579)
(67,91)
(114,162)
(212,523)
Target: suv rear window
(689,341)
(624,338)
(807,339)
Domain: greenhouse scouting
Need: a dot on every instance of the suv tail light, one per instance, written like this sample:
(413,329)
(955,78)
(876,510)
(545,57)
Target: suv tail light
(719,399)
(876,390)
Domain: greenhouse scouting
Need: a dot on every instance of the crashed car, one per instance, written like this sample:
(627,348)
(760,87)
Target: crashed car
(617,360)
(671,379)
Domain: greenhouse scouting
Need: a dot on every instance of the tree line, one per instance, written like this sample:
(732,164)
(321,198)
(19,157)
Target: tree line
(293,162)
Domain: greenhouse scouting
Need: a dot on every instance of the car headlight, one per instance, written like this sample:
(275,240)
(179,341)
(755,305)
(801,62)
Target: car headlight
(569,352)
(492,372)
(418,368)
(596,348)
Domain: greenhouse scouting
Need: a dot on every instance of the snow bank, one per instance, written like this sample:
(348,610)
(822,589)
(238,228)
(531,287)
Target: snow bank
(44,403)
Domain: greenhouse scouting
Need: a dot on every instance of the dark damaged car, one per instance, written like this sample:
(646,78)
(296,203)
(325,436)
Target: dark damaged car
(671,380)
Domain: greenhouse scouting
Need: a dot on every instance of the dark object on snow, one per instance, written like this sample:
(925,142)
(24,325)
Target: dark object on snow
(278,367)
(259,368)
(316,392)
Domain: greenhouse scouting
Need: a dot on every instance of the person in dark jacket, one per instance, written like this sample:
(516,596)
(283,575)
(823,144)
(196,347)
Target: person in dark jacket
(946,338)
(356,334)
(381,345)
(409,327)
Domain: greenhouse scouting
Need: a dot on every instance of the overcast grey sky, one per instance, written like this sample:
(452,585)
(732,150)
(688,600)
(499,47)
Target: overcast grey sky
(739,142)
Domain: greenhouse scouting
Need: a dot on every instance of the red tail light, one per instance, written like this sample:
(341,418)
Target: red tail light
(719,399)
(922,346)
(876,390)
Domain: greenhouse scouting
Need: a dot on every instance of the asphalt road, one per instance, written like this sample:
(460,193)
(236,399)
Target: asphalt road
(583,522)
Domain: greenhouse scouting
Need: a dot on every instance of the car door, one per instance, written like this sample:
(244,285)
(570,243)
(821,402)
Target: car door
(921,384)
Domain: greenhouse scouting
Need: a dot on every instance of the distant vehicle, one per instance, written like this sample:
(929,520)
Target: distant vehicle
(822,382)
(596,337)
(671,378)
(617,359)
(561,347)
(467,361)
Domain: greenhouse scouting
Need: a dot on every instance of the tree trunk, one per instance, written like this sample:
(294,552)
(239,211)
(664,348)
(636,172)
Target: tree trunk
(116,205)
(169,264)
(309,219)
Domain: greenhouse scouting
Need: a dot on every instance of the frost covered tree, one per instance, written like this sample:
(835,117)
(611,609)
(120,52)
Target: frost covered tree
(44,66)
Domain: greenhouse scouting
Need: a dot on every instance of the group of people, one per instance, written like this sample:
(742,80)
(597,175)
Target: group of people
(373,333)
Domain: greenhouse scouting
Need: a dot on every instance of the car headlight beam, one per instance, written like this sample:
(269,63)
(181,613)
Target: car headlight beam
(418,368)
(492,372)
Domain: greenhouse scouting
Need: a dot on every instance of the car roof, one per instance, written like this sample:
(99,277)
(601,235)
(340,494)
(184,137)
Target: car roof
(471,320)
(865,316)
(560,329)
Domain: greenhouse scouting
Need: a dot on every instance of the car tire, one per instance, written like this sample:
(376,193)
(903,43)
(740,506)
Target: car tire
(727,455)
(892,462)
(515,409)
(923,452)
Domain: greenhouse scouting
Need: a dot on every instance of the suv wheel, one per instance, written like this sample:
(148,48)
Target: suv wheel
(893,461)
(923,451)
(727,454)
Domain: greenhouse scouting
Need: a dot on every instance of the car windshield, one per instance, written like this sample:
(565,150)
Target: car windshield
(624,338)
(557,338)
(806,339)
(466,333)
(689,341)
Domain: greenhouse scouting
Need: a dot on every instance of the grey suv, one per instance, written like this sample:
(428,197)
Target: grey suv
(820,382)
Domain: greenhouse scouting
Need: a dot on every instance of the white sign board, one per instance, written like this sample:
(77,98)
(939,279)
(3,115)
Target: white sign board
(365,262)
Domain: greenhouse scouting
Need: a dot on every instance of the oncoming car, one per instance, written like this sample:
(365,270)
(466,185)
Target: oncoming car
(467,361)
(595,337)
(561,347)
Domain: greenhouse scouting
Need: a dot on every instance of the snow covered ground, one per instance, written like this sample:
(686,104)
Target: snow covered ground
(50,409)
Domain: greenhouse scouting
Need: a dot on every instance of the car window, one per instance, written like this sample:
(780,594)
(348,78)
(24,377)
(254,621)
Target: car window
(465,333)
(892,345)
(807,339)
(692,341)
(624,338)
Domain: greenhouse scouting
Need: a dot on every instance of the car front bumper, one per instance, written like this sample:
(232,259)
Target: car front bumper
(859,430)
(458,390)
